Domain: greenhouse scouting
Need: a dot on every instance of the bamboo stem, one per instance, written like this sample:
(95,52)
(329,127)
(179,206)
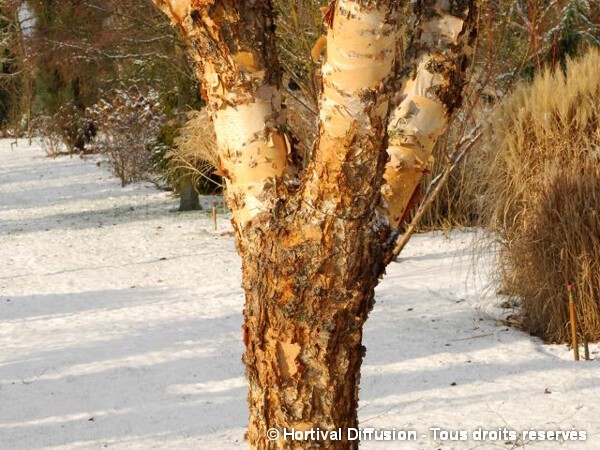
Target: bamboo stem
(573,323)
(586,348)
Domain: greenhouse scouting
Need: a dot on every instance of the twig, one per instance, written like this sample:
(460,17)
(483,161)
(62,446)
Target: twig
(36,378)
(586,348)
(214,216)
(439,182)
(473,337)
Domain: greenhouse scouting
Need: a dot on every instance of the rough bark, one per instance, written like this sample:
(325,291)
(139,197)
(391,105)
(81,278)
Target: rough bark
(441,35)
(310,279)
(312,249)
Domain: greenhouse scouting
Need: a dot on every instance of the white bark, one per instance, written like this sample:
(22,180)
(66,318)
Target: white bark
(243,100)
(360,57)
(422,114)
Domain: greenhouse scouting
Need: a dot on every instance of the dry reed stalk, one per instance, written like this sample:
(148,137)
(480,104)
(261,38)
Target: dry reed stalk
(540,179)
(214,216)
(573,317)
(196,152)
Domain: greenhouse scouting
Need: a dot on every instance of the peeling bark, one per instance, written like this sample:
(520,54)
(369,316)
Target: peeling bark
(311,285)
(312,250)
(442,34)
(233,46)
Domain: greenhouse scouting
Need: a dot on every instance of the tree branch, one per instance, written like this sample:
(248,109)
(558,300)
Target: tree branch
(441,40)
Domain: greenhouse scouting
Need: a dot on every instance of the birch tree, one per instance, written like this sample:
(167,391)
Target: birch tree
(315,238)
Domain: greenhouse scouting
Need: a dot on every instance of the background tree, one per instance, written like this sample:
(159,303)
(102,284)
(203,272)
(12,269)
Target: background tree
(314,238)
(194,160)
(8,69)
(16,82)
(82,49)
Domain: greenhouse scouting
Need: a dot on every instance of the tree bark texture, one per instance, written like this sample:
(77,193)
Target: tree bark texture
(313,241)
(310,275)
(442,33)
(233,46)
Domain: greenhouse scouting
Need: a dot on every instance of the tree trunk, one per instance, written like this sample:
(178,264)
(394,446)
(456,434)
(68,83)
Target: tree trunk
(310,275)
(306,303)
(188,197)
(312,241)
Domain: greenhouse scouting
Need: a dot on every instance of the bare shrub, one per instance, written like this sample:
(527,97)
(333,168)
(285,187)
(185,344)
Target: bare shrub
(457,204)
(541,189)
(65,132)
(128,123)
(50,138)
(300,28)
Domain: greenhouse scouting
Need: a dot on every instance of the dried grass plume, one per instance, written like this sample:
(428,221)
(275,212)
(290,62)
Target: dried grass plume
(541,191)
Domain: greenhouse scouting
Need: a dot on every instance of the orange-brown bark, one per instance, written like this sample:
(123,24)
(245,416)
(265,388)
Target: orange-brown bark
(442,34)
(233,46)
(312,249)
(310,284)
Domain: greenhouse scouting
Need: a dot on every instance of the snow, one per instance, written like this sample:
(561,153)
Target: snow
(120,328)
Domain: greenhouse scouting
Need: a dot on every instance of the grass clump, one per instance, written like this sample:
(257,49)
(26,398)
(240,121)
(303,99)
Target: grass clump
(541,197)
(195,155)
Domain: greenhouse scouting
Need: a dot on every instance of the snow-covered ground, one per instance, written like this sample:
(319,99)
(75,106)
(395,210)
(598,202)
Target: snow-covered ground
(120,328)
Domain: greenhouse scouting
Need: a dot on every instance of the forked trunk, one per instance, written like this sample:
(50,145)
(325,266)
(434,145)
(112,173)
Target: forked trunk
(312,241)
(310,275)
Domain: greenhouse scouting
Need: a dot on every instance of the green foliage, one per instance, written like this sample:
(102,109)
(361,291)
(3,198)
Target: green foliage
(574,31)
